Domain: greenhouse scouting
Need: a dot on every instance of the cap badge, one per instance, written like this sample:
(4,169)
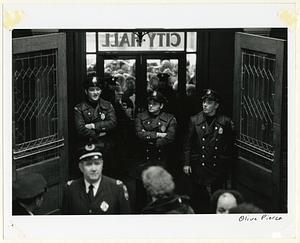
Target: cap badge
(104,206)
(102,116)
(208,91)
(154,93)
(94,81)
(220,130)
(90,147)
(163,128)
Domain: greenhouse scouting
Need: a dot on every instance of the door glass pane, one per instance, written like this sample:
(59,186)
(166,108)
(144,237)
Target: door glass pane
(190,74)
(191,41)
(124,72)
(168,86)
(155,66)
(90,42)
(91,63)
(36,105)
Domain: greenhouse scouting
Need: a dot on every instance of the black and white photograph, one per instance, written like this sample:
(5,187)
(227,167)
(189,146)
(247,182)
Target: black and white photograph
(168,123)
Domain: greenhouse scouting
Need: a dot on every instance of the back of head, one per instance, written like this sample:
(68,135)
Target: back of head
(245,208)
(157,181)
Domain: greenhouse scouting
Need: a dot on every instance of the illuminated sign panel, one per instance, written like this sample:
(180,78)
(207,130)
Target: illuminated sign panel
(153,41)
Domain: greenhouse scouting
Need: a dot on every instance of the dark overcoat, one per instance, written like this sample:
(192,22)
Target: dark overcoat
(111,198)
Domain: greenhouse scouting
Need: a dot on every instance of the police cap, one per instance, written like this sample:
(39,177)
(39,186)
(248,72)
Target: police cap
(90,151)
(163,77)
(29,186)
(92,81)
(157,96)
(211,95)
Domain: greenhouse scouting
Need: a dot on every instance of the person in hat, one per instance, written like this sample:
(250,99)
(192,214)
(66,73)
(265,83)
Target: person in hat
(208,150)
(94,193)
(29,192)
(95,118)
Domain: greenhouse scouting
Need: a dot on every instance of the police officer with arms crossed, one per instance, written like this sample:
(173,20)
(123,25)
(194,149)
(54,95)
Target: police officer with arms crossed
(95,119)
(208,151)
(156,129)
(94,193)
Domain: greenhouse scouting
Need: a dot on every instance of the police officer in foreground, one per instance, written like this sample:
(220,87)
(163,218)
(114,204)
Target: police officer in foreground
(208,151)
(94,193)
(156,129)
(29,192)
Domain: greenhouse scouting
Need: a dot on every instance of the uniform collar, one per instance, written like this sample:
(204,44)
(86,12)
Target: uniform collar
(96,186)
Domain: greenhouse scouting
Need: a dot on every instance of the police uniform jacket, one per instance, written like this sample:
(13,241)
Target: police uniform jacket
(208,149)
(147,126)
(111,198)
(102,115)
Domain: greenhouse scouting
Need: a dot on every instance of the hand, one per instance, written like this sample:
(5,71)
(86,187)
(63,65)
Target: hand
(187,169)
(161,134)
(90,126)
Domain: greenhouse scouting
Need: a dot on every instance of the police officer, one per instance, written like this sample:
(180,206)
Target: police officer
(95,120)
(208,150)
(29,192)
(94,193)
(156,129)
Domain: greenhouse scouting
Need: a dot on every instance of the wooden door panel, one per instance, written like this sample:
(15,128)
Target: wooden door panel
(258,99)
(39,117)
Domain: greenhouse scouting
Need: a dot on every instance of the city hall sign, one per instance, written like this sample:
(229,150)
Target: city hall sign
(153,41)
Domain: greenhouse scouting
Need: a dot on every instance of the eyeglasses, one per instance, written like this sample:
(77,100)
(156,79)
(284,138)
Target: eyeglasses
(93,89)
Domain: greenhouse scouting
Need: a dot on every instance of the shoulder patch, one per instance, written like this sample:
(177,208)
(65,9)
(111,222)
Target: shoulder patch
(143,116)
(69,182)
(126,195)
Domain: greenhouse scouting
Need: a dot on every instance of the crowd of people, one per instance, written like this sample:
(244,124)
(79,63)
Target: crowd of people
(110,130)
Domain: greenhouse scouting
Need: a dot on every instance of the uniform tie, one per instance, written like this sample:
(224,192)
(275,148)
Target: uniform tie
(91,192)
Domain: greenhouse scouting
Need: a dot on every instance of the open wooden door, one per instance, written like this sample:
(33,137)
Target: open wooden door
(260,115)
(40,112)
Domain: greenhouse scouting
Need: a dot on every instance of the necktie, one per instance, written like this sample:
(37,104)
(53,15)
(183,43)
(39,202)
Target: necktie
(91,192)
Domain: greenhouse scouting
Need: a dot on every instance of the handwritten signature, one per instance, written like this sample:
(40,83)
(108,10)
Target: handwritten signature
(264,217)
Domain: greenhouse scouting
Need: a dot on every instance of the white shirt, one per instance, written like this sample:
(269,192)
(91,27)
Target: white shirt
(95,186)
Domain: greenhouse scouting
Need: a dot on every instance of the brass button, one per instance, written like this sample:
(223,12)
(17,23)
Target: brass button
(203,164)
(158,123)
(147,150)
(217,139)
(203,127)
(203,139)
(148,122)
(214,164)
(216,148)
(159,150)
(90,211)
(215,157)
(203,156)
(147,158)
(216,128)
(203,147)
(158,158)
